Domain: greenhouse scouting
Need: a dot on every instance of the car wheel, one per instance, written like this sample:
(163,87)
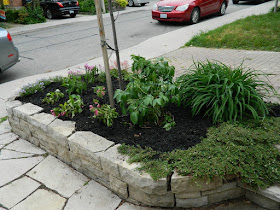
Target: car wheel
(73,15)
(223,8)
(49,14)
(195,15)
(130,3)
(235,1)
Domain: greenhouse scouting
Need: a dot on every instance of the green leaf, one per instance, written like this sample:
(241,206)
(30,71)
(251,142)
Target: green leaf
(134,117)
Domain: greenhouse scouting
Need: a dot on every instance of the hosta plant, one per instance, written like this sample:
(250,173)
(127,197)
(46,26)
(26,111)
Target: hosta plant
(223,93)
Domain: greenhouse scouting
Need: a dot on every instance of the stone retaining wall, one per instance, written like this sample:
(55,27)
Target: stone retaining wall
(98,158)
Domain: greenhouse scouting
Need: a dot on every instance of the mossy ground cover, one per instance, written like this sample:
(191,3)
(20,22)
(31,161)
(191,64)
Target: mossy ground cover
(244,149)
(252,33)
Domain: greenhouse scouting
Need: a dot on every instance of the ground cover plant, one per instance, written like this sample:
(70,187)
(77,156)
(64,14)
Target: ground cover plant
(154,121)
(247,33)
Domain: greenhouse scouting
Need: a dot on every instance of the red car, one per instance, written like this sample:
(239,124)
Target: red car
(187,10)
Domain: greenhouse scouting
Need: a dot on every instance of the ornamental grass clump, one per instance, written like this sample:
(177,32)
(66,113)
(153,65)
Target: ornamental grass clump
(223,93)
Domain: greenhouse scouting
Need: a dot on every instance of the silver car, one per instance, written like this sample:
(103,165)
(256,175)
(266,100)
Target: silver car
(9,55)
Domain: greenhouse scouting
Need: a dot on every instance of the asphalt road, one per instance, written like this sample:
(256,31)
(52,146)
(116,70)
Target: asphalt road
(56,48)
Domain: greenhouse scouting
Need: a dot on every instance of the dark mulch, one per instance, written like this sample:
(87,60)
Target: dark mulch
(188,131)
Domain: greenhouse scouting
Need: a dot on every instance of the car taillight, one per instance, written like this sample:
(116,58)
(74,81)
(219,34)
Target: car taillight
(77,4)
(59,4)
(9,37)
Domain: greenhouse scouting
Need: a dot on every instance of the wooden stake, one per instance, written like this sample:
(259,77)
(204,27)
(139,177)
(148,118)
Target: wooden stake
(121,85)
(104,52)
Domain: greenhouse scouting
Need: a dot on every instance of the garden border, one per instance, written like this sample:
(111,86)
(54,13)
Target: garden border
(97,158)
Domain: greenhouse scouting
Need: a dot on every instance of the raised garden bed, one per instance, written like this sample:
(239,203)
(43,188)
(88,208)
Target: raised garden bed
(92,148)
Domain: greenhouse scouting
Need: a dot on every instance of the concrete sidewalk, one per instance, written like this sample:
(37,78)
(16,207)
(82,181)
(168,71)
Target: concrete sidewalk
(31,179)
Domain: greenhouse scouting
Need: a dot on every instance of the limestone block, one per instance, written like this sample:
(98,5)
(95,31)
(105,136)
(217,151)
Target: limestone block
(262,201)
(34,141)
(97,175)
(87,146)
(14,122)
(225,195)
(272,192)
(188,195)
(183,184)
(38,133)
(118,186)
(143,181)
(26,110)
(24,127)
(192,202)
(12,104)
(60,130)
(111,159)
(41,120)
(19,132)
(165,200)
(224,187)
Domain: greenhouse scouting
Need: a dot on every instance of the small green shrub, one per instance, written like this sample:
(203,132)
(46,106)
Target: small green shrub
(12,15)
(122,3)
(26,15)
(53,97)
(74,105)
(226,94)
(87,6)
(150,90)
(74,84)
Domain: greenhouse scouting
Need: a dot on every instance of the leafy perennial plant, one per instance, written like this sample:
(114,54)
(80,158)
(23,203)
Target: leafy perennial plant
(149,91)
(226,94)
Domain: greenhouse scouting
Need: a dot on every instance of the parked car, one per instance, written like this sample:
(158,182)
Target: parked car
(54,8)
(132,3)
(9,55)
(187,10)
(257,1)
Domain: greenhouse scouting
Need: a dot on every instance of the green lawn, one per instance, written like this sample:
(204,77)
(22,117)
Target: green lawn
(260,32)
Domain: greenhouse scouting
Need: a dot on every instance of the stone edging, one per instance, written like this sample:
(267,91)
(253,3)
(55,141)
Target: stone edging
(98,158)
